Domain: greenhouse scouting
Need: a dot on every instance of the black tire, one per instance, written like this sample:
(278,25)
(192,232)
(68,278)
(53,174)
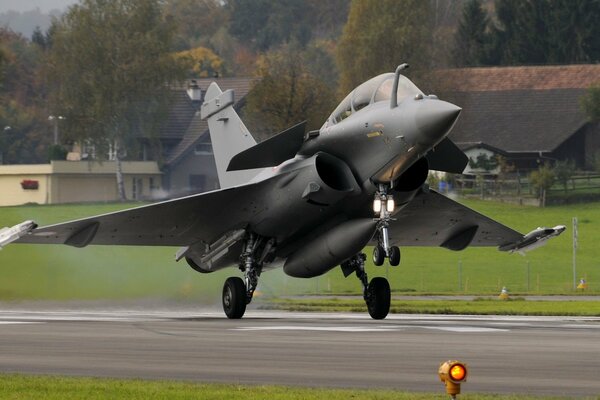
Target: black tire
(378,255)
(234,298)
(394,256)
(378,298)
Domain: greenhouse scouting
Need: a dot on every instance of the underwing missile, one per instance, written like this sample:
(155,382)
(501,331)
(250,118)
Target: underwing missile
(534,239)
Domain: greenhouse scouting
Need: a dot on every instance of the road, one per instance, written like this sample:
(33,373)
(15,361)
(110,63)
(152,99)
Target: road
(538,355)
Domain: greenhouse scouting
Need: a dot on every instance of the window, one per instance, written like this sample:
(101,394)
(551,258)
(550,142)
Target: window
(202,149)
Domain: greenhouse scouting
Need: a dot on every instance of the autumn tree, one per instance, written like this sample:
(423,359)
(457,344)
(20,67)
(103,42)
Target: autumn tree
(111,64)
(380,35)
(24,130)
(286,94)
(202,62)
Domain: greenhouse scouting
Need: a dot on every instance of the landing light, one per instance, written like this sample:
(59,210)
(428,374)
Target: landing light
(390,204)
(377,205)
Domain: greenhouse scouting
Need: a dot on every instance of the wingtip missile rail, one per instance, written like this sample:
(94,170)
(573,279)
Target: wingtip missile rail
(9,235)
(534,239)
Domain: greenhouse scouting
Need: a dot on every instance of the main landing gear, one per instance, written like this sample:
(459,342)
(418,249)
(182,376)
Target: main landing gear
(383,204)
(238,292)
(376,293)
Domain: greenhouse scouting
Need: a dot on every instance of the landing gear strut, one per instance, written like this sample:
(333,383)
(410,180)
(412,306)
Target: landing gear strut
(383,204)
(237,293)
(376,293)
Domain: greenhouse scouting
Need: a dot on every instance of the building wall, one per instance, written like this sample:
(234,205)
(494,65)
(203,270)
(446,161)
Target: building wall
(77,181)
(11,192)
(181,175)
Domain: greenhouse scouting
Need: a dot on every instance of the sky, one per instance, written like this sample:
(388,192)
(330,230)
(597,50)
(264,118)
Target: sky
(27,5)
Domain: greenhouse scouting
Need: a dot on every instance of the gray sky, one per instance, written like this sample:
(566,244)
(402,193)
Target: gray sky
(26,5)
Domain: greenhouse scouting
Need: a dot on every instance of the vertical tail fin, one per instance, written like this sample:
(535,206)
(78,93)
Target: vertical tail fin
(228,134)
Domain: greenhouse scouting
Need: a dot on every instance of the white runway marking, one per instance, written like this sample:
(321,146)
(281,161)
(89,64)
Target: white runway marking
(380,328)
(318,328)
(18,322)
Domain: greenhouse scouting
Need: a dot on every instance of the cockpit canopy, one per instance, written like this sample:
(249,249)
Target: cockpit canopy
(372,91)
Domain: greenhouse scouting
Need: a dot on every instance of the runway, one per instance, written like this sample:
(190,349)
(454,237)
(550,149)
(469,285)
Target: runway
(537,355)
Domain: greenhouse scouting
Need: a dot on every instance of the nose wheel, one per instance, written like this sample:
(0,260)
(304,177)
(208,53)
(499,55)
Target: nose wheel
(383,205)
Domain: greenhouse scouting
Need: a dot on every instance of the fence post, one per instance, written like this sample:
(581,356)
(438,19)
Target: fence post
(574,253)
(528,271)
(459,274)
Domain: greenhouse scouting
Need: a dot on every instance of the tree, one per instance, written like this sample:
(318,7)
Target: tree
(111,62)
(197,21)
(545,31)
(471,38)
(286,94)
(563,171)
(484,163)
(542,179)
(380,35)
(204,62)
(264,24)
(590,103)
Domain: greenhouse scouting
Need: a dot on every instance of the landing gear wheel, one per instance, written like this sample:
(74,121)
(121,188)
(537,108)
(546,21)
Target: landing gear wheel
(378,298)
(378,255)
(234,298)
(394,256)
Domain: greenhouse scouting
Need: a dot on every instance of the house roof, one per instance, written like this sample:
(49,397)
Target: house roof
(197,128)
(181,112)
(520,78)
(519,109)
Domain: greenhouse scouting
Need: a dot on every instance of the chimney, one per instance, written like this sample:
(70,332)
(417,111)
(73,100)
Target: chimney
(194,91)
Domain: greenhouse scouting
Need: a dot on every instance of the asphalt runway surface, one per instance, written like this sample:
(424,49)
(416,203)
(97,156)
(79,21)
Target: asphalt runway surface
(535,355)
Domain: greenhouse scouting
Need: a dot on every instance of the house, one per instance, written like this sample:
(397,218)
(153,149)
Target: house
(184,165)
(529,115)
(189,165)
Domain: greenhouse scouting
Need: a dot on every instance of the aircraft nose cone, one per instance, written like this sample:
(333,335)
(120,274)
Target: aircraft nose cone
(435,118)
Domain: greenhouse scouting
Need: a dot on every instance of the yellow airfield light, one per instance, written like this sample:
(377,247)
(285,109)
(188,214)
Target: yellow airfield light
(452,374)
(458,372)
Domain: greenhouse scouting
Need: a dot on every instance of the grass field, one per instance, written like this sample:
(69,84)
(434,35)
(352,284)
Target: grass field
(62,272)
(50,387)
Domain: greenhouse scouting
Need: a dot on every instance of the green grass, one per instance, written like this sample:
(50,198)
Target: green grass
(53,387)
(481,307)
(96,272)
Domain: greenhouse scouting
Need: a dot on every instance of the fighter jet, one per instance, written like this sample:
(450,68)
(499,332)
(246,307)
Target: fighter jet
(310,201)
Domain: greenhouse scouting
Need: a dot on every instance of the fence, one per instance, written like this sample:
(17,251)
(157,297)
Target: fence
(517,189)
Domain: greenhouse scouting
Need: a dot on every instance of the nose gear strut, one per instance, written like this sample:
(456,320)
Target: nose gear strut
(384,205)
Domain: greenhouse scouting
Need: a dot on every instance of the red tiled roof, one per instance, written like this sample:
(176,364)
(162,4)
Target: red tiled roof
(486,79)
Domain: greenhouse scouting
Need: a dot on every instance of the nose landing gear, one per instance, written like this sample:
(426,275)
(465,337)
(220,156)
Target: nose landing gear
(383,204)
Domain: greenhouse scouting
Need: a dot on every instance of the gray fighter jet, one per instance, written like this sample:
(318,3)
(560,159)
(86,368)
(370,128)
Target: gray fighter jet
(309,202)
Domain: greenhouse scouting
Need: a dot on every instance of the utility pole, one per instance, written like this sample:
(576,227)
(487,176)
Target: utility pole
(55,119)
